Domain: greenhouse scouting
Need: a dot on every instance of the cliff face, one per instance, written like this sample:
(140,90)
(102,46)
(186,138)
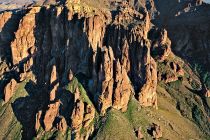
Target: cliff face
(82,60)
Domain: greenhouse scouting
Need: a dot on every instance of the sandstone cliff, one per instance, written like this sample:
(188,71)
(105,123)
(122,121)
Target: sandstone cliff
(86,60)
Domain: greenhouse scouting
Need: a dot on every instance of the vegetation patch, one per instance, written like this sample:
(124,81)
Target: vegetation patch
(115,126)
(73,85)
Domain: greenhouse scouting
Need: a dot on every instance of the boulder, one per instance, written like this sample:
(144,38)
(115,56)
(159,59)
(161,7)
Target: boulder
(156,131)
(139,134)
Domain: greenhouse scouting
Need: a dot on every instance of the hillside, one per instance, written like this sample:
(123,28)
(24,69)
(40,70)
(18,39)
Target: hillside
(105,69)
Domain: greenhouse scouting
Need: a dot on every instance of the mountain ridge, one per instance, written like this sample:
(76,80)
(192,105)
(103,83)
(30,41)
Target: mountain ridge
(78,69)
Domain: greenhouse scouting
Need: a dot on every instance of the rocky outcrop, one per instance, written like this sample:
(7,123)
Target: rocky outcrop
(24,44)
(9,90)
(156,131)
(126,64)
(106,81)
(70,75)
(3,68)
(172,72)
(61,124)
(50,115)
(207,94)
(139,134)
(89,115)
(8,26)
(123,89)
(5,16)
(115,85)
(148,95)
(77,115)
(53,92)
(53,75)
(38,120)
(161,44)
(82,115)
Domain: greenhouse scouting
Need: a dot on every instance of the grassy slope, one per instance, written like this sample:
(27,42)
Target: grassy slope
(174,125)
(116,127)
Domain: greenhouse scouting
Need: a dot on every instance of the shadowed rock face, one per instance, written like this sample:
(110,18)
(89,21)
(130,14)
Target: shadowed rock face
(187,23)
(85,60)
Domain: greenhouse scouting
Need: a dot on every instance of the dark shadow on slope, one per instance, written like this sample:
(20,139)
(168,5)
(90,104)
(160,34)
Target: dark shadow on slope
(25,109)
(67,105)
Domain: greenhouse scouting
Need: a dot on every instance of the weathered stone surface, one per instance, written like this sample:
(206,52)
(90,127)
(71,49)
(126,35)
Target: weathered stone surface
(53,75)
(53,92)
(3,68)
(22,76)
(5,16)
(70,75)
(77,115)
(76,95)
(175,71)
(139,133)
(50,115)
(62,125)
(125,61)
(89,115)
(148,95)
(207,94)
(24,37)
(156,131)
(9,90)
(171,78)
(106,81)
(38,117)
(82,116)
(123,88)
(161,46)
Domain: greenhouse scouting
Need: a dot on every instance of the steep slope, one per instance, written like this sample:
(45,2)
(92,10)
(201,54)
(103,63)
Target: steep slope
(80,70)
